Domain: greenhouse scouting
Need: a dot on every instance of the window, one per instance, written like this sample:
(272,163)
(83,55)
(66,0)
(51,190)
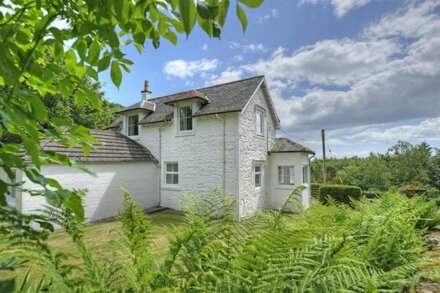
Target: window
(286,175)
(133,127)
(185,118)
(258,175)
(305,174)
(171,173)
(259,121)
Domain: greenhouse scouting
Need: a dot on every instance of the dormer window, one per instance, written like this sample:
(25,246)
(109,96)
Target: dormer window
(133,127)
(185,118)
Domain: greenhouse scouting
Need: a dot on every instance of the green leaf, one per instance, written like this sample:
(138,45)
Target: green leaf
(252,3)
(7,285)
(94,51)
(116,74)
(56,197)
(207,11)
(188,15)
(3,190)
(104,62)
(223,12)
(242,17)
(74,203)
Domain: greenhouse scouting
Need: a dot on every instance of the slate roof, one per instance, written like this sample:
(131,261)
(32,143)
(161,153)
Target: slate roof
(189,95)
(285,145)
(117,124)
(144,105)
(223,98)
(113,147)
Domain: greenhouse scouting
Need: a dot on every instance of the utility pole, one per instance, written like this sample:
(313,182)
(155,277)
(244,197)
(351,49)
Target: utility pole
(324,169)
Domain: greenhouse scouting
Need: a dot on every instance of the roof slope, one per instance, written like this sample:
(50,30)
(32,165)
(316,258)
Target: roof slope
(113,147)
(223,98)
(285,145)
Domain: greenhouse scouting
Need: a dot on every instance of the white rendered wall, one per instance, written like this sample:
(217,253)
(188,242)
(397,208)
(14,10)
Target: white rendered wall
(279,193)
(207,158)
(254,149)
(104,197)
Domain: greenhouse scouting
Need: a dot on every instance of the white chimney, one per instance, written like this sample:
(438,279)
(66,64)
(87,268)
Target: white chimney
(146,94)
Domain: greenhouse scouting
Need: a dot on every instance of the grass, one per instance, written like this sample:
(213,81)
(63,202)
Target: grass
(99,235)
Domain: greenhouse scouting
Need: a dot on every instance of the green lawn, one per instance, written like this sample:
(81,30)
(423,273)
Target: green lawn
(98,237)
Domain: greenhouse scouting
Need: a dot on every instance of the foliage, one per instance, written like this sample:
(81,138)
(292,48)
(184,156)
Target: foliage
(403,164)
(83,38)
(86,115)
(373,247)
(314,189)
(339,193)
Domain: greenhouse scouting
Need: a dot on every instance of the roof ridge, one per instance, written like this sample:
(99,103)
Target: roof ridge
(207,87)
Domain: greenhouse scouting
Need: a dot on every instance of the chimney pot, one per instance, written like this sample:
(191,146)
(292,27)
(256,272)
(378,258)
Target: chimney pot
(146,92)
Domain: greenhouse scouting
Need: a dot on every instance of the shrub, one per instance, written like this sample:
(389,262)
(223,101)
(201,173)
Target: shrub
(314,188)
(372,193)
(410,190)
(340,193)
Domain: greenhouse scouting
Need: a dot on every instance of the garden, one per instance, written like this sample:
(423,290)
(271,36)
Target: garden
(371,245)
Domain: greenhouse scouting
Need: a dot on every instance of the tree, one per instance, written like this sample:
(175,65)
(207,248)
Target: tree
(89,42)
(85,115)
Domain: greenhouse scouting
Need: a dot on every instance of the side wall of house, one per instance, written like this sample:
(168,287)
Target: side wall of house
(279,193)
(253,149)
(207,158)
(104,196)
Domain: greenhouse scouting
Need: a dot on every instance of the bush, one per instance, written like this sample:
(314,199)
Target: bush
(340,193)
(314,189)
(410,190)
(372,193)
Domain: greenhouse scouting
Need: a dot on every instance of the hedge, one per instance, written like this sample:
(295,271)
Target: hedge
(341,193)
(314,189)
(372,193)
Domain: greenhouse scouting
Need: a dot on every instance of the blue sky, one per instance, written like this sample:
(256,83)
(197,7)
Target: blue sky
(367,71)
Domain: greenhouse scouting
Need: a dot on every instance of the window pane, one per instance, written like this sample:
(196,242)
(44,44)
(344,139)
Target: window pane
(291,175)
(258,122)
(133,128)
(258,168)
(306,174)
(257,180)
(169,178)
(185,118)
(175,178)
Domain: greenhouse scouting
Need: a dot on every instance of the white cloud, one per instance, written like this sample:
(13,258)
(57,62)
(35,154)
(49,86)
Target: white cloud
(228,75)
(341,7)
(273,14)
(413,20)
(378,77)
(205,47)
(428,129)
(328,62)
(248,48)
(184,69)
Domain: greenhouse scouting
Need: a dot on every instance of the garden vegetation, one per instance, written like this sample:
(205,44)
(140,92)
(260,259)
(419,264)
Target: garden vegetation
(375,246)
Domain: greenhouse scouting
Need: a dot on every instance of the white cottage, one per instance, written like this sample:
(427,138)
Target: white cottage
(218,136)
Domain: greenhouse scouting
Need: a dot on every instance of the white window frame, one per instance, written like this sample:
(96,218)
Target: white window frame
(134,125)
(286,179)
(187,131)
(259,173)
(166,172)
(260,127)
(305,175)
